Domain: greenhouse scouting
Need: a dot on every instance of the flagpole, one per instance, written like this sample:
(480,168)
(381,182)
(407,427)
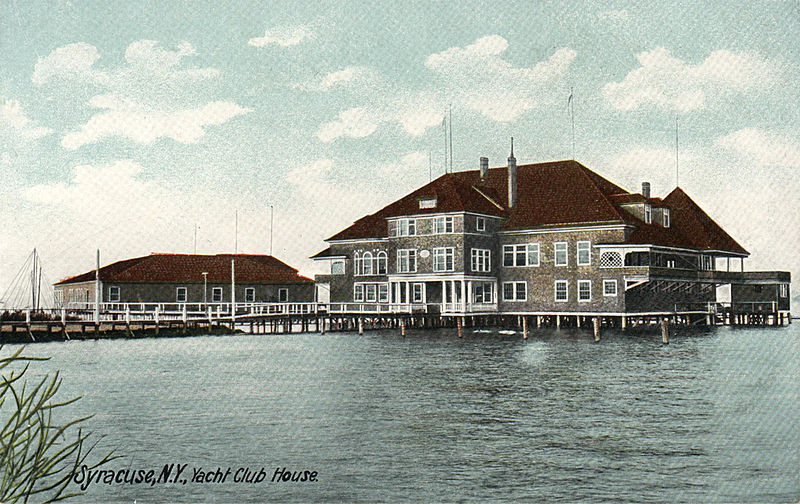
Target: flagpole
(444,125)
(571,104)
(451,138)
(676,151)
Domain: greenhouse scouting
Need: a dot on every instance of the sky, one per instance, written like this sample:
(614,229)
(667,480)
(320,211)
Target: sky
(134,128)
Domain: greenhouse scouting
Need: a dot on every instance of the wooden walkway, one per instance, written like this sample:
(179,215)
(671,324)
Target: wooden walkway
(85,320)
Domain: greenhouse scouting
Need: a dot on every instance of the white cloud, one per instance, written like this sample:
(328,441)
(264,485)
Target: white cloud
(353,123)
(762,148)
(284,36)
(143,125)
(474,77)
(669,83)
(151,96)
(16,126)
(344,78)
(71,62)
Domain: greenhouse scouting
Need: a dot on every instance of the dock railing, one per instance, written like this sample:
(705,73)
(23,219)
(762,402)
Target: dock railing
(141,311)
(727,306)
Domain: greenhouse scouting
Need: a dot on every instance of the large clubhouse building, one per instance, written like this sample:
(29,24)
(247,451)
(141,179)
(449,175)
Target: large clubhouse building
(546,238)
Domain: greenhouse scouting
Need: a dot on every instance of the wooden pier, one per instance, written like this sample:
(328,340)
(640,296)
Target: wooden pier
(87,320)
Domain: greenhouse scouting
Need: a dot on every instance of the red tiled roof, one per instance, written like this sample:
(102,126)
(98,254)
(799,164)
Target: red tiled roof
(552,194)
(189,268)
(698,228)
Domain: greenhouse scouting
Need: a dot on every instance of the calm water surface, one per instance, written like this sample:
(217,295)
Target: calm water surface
(711,417)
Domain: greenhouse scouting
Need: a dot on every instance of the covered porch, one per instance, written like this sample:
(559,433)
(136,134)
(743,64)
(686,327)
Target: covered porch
(446,294)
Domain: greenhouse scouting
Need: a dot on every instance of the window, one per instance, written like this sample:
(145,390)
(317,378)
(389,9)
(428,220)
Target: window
(283,295)
(250,295)
(584,290)
(584,253)
(418,293)
(609,288)
(666,217)
(216,294)
(562,291)
(337,267)
(560,253)
(406,260)
(443,259)
(366,263)
(180,295)
(610,260)
(113,294)
(521,255)
(406,227)
(480,224)
(482,292)
(784,291)
(533,254)
(705,262)
(371,292)
(443,225)
(648,214)
(427,203)
(515,291)
(481,260)
(508,255)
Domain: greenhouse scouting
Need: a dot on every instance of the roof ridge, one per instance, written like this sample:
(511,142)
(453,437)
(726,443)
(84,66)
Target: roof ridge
(606,199)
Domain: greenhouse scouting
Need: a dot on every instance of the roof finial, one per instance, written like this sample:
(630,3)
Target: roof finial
(512,147)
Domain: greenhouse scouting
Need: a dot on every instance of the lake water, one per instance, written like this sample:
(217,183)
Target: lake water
(712,417)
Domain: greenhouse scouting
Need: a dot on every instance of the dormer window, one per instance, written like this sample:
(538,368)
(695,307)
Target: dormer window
(427,203)
(648,214)
(666,217)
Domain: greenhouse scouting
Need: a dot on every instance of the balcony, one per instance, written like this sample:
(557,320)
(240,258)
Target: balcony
(720,277)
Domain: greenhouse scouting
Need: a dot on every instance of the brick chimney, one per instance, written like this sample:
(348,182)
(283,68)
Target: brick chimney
(646,189)
(484,168)
(512,177)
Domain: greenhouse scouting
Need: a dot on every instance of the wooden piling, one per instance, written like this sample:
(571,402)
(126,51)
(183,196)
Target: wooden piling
(665,331)
(596,324)
(524,327)
(459,324)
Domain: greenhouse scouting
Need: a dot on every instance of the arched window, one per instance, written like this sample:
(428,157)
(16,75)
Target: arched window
(366,263)
(356,264)
(382,259)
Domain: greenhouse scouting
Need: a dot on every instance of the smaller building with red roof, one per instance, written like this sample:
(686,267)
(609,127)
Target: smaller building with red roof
(191,278)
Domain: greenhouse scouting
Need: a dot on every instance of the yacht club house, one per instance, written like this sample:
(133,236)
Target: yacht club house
(551,239)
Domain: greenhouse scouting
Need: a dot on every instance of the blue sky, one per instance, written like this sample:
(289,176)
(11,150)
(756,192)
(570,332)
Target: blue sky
(124,127)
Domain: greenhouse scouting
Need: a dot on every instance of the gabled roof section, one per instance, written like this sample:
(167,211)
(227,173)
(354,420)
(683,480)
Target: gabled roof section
(555,193)
(559,193)
(189,268)
(698,228)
